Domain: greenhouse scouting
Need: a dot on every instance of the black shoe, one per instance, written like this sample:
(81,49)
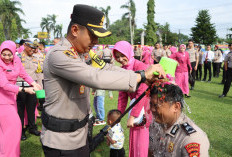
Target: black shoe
(23,136)
(209,80)
(192,88)
(203,80)
(222,96)
(35,132)
(187,96)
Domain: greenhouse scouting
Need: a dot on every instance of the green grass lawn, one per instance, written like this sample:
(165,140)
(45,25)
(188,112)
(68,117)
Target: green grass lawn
(212,114)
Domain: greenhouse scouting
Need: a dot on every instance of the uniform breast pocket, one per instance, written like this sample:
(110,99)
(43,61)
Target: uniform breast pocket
(78,92)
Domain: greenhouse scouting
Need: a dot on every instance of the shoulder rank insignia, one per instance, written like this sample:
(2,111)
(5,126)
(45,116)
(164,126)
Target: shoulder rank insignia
(174,129)
(193,149)
(188,128)
(70,54)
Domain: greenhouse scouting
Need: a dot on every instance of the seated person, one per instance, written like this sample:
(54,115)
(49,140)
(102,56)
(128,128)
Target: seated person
(173,133)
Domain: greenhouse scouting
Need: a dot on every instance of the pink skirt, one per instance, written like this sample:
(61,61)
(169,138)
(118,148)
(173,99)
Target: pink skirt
(10,131)
(182,81)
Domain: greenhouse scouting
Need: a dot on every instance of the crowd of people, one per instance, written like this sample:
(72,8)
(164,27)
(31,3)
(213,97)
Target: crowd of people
(157,124)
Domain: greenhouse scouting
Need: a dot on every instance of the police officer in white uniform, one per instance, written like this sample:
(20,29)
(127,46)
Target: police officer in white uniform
(66,81)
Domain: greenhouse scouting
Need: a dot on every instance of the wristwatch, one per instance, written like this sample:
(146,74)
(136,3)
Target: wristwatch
(142,73)
(23,90)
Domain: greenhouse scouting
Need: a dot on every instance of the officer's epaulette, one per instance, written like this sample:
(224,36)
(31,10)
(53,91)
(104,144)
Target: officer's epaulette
(69,53)
(175,129)
(188,128)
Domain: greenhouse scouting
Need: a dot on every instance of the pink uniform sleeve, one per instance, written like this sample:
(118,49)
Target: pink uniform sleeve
(23,74)
(5,85)
(173,56)
(142,103)
(122,101)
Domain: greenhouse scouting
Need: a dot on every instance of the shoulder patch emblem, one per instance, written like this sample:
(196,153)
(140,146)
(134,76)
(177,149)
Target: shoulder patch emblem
(188,128)
(70,54)
(193,149)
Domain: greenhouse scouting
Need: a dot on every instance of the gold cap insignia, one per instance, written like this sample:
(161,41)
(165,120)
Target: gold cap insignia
(102,20)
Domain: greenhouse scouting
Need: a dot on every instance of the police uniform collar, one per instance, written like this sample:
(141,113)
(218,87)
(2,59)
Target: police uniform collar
(172,131)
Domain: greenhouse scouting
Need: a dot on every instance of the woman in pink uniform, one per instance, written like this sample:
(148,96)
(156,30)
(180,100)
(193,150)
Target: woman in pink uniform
(181,75)
(139,135)
(146,56)
(10,124)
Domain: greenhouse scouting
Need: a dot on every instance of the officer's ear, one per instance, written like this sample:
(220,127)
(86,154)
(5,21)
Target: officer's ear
(177,106)
(75,30)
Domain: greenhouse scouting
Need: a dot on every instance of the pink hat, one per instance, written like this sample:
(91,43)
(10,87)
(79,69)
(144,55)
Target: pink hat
(10,45)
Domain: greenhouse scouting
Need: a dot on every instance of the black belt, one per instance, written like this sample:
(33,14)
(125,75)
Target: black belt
(62,125)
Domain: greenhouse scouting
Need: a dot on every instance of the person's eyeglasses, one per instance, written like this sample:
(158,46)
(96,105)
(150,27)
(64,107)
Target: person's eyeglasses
(7,55)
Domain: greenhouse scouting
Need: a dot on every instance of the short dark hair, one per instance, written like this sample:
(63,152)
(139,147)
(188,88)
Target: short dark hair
(114,114)
(172,93)
(42,43)
(230,44)
(73,23)
(190,40)
(208,45)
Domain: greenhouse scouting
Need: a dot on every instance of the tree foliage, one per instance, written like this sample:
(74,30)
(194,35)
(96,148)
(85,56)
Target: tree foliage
(204,31)
(106,12)
(49,24)
(170,38)
(13,30)
(151,37)
(9,10)
(2,35)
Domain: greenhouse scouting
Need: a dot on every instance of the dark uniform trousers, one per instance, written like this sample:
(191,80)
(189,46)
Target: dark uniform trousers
(199,72)
(29,101)
(223,75)
(228,81)
(193,64)
(207,67)
(117,152)
(216,69)
(80,152)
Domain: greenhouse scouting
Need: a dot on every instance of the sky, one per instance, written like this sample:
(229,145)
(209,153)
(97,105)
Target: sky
(180,14)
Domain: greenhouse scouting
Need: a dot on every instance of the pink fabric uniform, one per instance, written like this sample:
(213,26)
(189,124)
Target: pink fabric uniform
(10,124)
(139,136)
(181,75)
(146,55)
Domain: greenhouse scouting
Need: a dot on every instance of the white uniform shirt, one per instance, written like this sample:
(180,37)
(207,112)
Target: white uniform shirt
(210,56)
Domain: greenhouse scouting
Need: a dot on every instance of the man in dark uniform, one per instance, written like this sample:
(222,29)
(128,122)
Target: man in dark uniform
(228,70)
(67,81)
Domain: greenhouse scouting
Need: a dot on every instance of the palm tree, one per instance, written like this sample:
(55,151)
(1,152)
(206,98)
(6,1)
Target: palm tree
(131,14)
(45,24)
(106,12)
(52,19)
(8,11)
(58,31)
(26,33)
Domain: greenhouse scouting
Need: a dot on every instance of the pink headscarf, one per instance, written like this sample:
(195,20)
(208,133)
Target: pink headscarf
(173,49)
(9,45)
(182,46)
(126,49)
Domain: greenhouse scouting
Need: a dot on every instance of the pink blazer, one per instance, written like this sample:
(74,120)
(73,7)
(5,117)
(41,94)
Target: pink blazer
(123,96)
(8,77)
